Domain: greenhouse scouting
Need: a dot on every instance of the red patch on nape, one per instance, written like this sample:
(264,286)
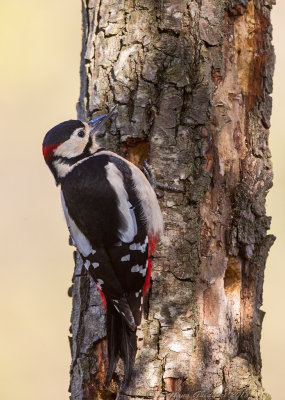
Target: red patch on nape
(48,150)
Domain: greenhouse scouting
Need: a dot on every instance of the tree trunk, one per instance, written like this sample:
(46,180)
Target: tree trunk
(192,80)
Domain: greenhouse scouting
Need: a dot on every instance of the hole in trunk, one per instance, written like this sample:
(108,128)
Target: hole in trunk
(135,150)
(232,279)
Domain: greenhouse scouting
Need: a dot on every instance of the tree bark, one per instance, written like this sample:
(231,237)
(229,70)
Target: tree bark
(192,80)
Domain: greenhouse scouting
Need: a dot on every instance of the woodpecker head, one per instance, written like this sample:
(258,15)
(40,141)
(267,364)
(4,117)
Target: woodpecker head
(69,142)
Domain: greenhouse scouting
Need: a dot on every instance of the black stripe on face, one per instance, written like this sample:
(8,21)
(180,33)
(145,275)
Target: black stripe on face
(88,146)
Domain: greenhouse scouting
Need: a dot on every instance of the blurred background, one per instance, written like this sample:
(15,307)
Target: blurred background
(40,44)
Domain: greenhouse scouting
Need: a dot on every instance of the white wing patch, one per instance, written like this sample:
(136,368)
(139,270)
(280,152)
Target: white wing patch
(147,196)
(140,269)
(126,258)
(115,178)
(81,241)
(149,201)
(88,263)
(139,246)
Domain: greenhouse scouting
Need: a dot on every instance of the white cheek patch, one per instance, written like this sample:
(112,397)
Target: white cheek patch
(126,258)
(81,241)
(95,265)
(72,147)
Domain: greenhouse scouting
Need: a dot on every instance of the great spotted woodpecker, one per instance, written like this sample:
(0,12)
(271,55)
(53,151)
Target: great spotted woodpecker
(114,220)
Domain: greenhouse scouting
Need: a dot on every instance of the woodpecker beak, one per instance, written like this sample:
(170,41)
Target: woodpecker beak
(97,123)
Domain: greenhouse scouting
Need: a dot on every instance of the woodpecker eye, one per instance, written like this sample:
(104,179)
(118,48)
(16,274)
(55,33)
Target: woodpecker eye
(81,134)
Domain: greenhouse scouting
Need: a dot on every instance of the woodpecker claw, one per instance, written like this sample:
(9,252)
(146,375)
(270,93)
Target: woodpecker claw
(157,185)
(150,176)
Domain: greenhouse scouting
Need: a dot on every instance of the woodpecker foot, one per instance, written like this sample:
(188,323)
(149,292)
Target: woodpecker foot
(156,185)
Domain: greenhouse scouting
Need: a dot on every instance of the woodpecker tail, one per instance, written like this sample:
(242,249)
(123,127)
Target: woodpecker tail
(122,342)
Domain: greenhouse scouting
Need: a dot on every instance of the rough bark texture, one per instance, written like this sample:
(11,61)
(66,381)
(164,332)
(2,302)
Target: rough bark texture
(192,80)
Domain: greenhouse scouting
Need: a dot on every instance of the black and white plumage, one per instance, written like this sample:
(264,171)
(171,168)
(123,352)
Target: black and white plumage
(114,220)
